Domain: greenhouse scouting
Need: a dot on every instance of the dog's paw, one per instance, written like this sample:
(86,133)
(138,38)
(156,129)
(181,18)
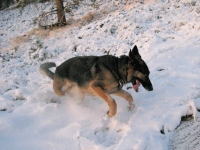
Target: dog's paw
(109,114)
(131,106)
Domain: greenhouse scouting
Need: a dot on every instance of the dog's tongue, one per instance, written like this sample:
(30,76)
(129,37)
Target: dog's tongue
(136,86)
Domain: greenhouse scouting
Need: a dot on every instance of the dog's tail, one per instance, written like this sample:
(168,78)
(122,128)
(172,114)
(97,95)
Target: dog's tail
(44,69)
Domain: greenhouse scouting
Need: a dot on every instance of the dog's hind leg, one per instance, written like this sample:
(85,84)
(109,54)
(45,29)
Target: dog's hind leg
(98,91)
(127,96)
(58,83)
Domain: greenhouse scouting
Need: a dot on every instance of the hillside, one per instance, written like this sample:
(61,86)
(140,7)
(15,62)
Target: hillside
(167,35)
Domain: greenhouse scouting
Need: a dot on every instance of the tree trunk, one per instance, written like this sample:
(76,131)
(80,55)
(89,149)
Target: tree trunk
(1,4)
(60,12)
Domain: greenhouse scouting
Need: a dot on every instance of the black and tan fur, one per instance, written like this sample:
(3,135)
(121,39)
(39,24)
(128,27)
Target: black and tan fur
(100,76)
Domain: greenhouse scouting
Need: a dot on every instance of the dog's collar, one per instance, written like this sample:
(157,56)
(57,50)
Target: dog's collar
(121,82)
(119,78)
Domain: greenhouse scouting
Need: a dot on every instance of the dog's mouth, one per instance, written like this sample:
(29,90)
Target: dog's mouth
(136,85)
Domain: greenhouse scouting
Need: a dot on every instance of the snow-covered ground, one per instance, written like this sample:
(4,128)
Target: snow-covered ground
(167,34)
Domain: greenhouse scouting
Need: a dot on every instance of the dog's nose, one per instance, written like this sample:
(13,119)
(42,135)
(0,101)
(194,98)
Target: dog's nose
(150,88)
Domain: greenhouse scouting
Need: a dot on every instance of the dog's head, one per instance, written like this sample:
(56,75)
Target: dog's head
(140,73)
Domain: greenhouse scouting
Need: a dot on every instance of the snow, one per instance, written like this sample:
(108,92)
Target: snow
(33,117)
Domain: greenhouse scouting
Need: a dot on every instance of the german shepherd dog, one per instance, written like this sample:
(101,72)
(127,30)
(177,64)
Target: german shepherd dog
(100,76)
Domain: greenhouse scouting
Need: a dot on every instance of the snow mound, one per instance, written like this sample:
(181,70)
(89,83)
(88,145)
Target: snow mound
(186,136)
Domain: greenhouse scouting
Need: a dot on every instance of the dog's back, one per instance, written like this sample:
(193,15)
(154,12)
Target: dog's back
(77,69)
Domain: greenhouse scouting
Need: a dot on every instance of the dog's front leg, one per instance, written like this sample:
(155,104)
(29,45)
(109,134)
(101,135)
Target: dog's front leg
(98,91)
(127,96)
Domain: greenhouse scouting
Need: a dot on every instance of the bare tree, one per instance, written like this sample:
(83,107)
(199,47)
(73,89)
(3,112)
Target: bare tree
(5,3)
(60,12)
(0,4)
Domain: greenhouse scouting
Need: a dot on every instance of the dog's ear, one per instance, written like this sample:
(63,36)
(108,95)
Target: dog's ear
(135,56)
(131,54)
(135,51)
